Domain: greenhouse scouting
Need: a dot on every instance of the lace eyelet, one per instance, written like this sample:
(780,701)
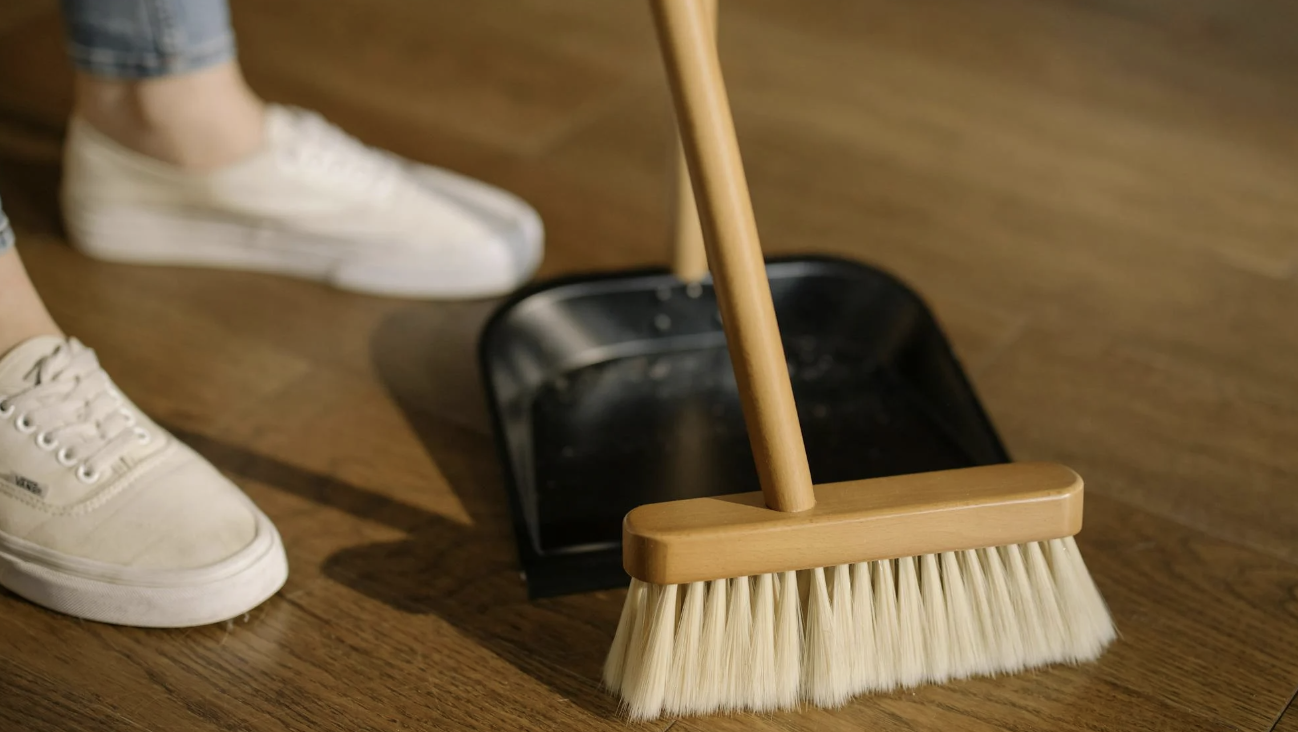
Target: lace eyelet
(24,425)
(65,457)
(143,436)
(45,442)
(86,476)
(6,409)
(130,418)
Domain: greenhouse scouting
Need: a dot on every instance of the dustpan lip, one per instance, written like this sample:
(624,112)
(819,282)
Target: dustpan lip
(511,303)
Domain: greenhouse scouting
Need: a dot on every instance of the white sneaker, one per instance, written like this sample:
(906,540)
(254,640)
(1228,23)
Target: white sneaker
(313,203)
(106,516)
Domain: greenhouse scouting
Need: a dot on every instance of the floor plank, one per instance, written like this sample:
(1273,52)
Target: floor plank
(1096,199)
(1288,721)
(1182,442)
(514,76)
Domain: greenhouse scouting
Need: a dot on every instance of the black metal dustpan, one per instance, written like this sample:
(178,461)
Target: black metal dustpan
(612,391)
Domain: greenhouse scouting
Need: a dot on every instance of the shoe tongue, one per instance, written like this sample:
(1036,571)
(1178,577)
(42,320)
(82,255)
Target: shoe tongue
(278,122)
(283,125)
(16,373)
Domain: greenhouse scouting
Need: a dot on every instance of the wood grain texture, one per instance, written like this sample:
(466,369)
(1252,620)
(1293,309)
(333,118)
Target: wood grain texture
(1098,199)
(686,35)
(1288,721)
(689,257)
(1166,670)
(703,539)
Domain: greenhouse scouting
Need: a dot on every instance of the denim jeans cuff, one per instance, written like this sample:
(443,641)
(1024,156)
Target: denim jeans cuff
(6,235)
(147,64)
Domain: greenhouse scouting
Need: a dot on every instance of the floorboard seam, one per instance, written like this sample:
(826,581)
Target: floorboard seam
(1283,710)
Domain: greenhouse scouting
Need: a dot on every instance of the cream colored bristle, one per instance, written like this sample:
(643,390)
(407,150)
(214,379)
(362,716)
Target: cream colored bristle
(762,689)
(712,690)
(887,628)
(746,645)
(739,644)
(937,641)
(963,630)
(976,583)
(788,642)
(1047,597)
(632,612)
(1090,627)
(910,622)
(635,646)
(683,684)
(645,691)
(1010,649)
(818,683)
(1097,610)
(864,668)
(844,648)
(1036,647)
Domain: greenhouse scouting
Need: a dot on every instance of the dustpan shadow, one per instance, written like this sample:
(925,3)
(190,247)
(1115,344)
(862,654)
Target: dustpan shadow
(426,356)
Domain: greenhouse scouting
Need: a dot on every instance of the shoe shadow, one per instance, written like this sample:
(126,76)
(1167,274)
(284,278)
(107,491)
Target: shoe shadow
(467,575)
(29,190)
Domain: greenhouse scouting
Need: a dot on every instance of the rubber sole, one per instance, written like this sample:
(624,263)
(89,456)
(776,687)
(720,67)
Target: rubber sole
(144,236)
(169,599)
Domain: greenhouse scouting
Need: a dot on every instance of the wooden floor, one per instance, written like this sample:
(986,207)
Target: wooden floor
(1099,199)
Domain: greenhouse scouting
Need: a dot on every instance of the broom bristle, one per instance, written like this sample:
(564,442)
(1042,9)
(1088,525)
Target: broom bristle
(617,659)
(1008,635)
(765,643)
(739,643)
(909,667)
(963,628)
(788,643)
(711,691)
(886,631)
(864,664)
(937,635)
(683,684)
(763,690)
(646,687)
(823,681)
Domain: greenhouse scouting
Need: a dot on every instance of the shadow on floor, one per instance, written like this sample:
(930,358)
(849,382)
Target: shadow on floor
(29,191)
(466,574)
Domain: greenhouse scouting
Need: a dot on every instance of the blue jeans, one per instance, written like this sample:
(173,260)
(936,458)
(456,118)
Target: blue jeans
(139,39)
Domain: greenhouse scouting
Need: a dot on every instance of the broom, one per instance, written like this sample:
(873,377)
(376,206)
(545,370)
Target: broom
(764,601)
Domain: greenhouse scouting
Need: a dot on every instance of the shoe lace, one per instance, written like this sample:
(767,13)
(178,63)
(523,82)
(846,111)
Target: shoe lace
(323,151)
(73,407)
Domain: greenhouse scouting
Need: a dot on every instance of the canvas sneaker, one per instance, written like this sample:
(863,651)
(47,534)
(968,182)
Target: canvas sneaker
(314,203)
(106,516)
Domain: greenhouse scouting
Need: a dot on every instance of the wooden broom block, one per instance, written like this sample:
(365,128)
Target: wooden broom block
(702,539)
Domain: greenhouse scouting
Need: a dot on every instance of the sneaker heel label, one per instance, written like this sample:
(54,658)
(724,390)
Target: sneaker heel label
(25,483)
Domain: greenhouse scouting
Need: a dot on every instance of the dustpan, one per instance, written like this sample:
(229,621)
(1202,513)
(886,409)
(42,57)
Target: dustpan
(610,391)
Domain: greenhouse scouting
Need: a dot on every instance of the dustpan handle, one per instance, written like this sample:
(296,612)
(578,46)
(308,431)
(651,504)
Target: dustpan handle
(689,258)
(734,252)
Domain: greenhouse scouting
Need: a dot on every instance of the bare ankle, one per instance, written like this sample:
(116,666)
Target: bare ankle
(22,314)
(199,121)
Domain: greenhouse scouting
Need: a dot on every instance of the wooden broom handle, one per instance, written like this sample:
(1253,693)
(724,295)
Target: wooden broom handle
(689,258)
(734,252)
